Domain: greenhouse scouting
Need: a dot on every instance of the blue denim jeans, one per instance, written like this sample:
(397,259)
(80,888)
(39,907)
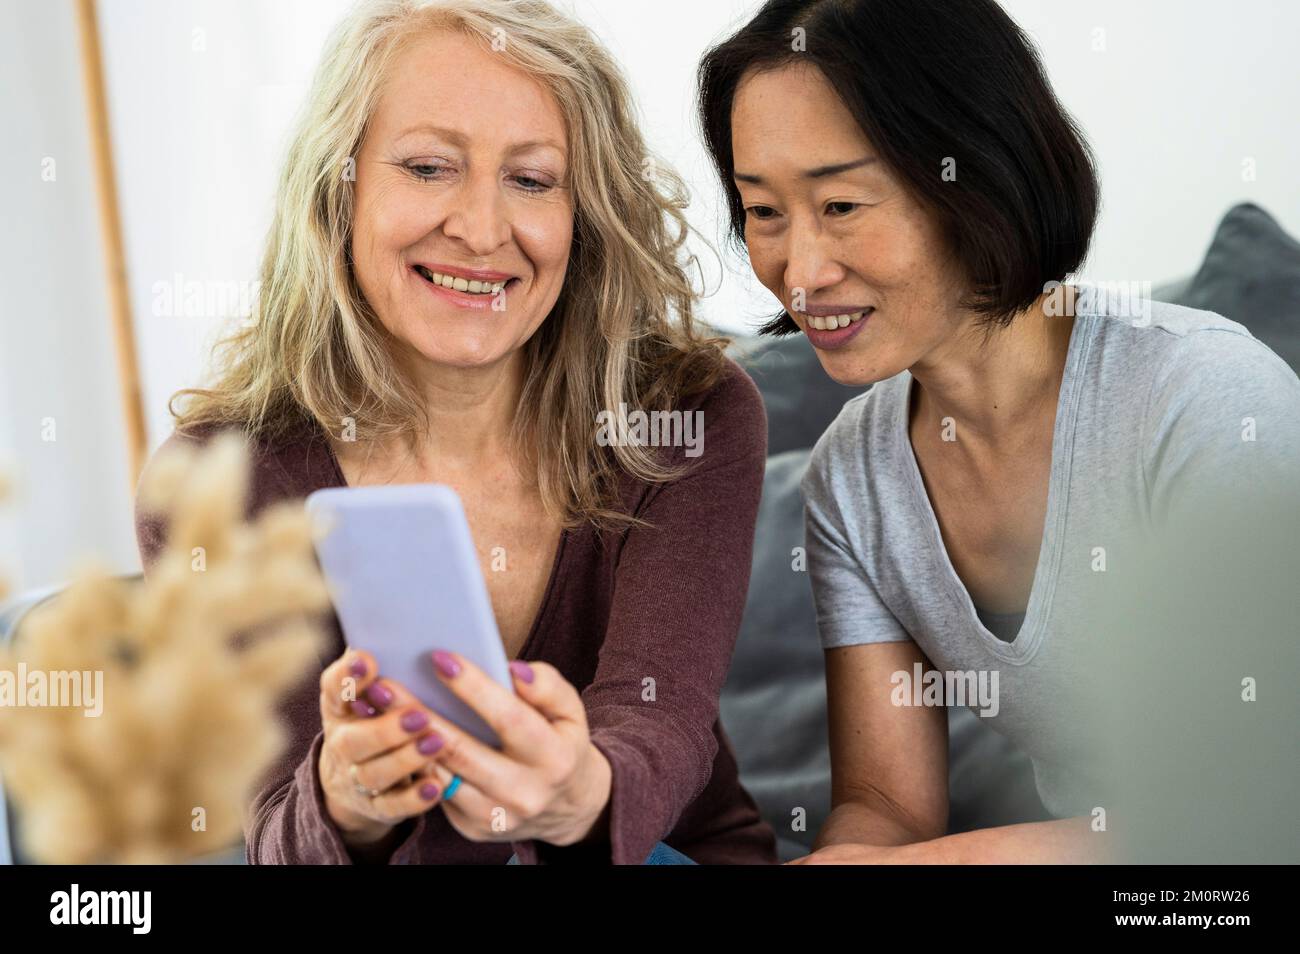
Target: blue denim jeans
(661,854)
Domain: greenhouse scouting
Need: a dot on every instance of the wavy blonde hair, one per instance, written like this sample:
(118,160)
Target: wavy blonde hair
(622,330)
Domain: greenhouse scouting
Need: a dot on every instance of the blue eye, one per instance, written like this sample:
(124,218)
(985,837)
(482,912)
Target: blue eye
(424,171)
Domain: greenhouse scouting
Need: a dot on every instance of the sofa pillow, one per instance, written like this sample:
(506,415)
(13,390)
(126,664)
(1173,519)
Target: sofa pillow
(1251,274)
(801,399)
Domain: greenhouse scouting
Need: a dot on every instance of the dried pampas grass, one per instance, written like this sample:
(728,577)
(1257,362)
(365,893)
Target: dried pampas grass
(192,663)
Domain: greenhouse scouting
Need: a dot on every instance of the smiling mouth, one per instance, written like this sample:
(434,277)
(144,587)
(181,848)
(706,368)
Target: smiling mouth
(467,286)
(832,322)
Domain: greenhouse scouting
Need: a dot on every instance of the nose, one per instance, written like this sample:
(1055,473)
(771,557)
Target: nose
(810,264)
(477,217)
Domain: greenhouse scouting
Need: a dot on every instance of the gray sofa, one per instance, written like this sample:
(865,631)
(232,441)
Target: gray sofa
(774,702)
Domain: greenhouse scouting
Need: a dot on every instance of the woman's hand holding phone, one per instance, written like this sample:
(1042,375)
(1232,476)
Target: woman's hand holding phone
(377,738)
(547,782)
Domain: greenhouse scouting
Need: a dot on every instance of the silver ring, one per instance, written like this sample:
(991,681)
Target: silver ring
(361,789)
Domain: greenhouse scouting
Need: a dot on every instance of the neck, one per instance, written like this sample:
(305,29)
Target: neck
(992,387)
(470,412)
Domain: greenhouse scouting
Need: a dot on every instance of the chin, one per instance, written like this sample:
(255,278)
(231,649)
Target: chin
(459,349)
(850,370)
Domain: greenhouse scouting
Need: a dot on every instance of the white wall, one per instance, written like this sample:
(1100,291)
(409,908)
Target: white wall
(57,363)
(202,94)
(1184,92)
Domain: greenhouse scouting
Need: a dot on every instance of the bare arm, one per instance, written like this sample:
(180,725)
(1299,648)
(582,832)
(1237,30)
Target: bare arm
(889,778)
(889,764)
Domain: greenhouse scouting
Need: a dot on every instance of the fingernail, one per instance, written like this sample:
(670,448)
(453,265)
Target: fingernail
(429,744)
(363,708)
(429,791)
(414,721)
(446,663)
(358,668)
(380,695)
(521,670)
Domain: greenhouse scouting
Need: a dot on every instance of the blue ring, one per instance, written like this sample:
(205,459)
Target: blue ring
(451,788)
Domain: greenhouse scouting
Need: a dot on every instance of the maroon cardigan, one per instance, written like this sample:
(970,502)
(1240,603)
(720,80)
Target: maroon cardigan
(619,606)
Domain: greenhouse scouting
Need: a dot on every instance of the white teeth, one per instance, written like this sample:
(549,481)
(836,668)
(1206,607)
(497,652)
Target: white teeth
(461,284)
(833,322)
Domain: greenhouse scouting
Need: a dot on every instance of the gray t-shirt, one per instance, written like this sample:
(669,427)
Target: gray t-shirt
(1151,409)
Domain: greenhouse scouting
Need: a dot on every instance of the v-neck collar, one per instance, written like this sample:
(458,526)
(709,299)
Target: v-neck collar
(1027,642)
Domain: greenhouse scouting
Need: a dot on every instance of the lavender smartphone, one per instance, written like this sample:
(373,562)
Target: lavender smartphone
(405,580)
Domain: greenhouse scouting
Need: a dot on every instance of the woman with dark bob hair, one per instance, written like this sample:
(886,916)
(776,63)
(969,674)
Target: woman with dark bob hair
(906,183)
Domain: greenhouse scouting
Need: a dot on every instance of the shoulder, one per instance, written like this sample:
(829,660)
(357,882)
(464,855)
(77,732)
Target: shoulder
(734,397)
(862,430)
(291,462)
(1178,366)
(188,439)
(286,466)
(1175,341)
(1227,353)
(1205,359)
(731,414)
(1217,399)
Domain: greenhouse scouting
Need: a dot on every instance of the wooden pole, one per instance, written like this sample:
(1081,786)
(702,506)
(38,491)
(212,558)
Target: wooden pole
(110,223)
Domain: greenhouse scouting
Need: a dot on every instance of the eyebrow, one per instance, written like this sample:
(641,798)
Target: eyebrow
(821,172)
(459,139)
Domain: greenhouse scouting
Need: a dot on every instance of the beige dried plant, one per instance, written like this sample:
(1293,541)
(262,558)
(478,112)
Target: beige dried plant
(194,661)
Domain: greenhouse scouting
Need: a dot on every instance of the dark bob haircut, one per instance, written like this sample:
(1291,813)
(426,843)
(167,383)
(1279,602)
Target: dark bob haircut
(935,85)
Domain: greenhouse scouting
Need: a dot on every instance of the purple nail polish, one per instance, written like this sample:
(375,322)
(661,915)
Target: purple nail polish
(380,695)
(522,670)
(358,668)
(446,663)
(429,744)
(362,708)
(414,721)
(429,791)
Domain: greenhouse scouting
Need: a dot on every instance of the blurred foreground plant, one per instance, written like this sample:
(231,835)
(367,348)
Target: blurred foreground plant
(193,662)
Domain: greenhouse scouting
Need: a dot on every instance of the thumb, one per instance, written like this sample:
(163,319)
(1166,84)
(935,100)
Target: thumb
(543,687)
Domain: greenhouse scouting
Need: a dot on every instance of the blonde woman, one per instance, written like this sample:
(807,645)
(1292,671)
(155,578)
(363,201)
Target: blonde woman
(466,267)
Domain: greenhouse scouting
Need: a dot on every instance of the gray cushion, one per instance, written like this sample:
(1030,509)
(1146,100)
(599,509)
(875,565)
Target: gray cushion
(1251,274)
(801,399)
(774,701)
